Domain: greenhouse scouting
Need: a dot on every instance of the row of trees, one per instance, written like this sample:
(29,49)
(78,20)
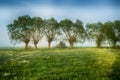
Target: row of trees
(26,28)
(108,32)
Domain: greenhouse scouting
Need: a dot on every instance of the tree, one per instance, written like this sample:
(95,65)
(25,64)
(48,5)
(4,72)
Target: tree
(94,32)
(112,31)
(51,29)
(36,30)
(61,45)
(72,31)
(116,28)
(19,30)
(107,32)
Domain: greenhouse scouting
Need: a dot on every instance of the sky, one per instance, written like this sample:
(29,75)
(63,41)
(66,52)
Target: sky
(89,11)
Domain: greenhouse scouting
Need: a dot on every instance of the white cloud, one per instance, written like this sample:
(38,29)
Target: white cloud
(47,11)
(85,14)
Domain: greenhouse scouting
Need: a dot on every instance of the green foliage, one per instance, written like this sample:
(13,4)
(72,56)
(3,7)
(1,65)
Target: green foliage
(107,30)
(19,30)
(51,29)
(52,64)
(93,29)
(79,31)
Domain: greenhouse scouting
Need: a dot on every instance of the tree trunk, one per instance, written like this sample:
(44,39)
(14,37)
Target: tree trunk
(26,45)
(35,44)
(61,44)
(114,44)
(49,44)
(98,44)
(71,44)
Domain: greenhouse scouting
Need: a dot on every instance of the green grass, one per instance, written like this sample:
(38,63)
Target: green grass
(60,64)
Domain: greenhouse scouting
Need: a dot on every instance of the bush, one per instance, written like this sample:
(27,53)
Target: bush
(61,45)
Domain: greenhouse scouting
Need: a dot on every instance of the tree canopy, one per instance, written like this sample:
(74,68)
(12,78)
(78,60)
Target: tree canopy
(51,29)
(36,29)
(94,32)
(73,31)
(19,30)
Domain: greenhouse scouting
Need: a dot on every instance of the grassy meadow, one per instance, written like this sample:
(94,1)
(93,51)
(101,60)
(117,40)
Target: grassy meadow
(60,64)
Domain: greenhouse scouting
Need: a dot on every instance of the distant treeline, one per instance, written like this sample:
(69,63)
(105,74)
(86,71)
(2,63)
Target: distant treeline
(26,29)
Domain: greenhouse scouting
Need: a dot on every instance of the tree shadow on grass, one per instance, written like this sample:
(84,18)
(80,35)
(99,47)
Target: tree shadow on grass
(115,73)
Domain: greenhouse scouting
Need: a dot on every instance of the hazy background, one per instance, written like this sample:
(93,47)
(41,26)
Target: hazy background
(88,11)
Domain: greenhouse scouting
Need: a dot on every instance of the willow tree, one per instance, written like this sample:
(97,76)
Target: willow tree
(116,28)
(19,30)
(107,32)
(36,30)
(111,32)
(94,32)
(51,29)
(73,31)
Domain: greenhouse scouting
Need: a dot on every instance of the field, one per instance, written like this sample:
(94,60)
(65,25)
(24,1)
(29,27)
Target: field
(60,64)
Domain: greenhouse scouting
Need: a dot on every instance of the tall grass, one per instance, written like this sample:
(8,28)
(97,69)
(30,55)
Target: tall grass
(60,64)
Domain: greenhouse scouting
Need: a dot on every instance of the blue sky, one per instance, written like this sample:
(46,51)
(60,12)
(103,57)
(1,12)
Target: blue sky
(85,10)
